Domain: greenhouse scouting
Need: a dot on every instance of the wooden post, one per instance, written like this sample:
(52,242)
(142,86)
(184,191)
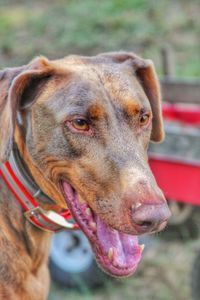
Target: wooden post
(168,63)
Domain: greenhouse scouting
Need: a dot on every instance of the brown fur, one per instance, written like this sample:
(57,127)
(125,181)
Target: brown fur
(105,169)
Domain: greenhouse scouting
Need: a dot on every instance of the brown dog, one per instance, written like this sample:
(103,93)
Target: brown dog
(82,126)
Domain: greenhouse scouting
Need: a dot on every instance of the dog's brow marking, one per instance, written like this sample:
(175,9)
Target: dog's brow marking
(131,108)
(96,111)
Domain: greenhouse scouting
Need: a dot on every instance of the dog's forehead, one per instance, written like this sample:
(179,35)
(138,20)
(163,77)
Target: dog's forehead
(93,82)
(118,79)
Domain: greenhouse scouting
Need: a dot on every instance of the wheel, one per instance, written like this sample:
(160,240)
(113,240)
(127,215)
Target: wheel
(184,223)
(71,261)
(181,212)
(195,278)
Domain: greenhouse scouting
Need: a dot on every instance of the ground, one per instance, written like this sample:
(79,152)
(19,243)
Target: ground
(163,274)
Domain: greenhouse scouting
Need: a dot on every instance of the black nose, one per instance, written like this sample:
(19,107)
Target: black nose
(150,217)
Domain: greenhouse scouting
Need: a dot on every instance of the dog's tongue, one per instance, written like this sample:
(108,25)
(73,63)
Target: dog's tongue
(117,253)
(122,249)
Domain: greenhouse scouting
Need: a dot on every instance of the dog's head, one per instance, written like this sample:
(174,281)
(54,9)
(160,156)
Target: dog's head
(83,126)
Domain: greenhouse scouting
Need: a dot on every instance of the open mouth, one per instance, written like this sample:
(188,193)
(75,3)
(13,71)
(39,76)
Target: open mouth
(117,253)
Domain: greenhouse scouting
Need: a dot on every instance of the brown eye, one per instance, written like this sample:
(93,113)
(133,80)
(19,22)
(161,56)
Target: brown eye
(80,124)
(144,119)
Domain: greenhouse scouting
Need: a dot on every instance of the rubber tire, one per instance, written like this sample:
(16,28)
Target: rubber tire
(189,229)
(91,277)
(195,278)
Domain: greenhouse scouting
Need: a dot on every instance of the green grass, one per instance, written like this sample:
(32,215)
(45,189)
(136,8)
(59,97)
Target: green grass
(57,28)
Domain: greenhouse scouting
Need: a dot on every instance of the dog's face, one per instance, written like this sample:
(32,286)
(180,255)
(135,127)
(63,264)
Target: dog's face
(85,125)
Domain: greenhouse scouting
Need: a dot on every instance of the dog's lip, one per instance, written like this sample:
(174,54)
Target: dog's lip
(117,253)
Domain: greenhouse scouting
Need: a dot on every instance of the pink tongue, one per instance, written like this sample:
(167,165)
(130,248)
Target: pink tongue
(127,252)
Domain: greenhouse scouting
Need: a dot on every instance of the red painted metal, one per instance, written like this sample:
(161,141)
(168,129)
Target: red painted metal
(179,180)
(185,113)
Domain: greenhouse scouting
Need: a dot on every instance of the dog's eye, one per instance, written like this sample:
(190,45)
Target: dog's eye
(80,124)
(144,119)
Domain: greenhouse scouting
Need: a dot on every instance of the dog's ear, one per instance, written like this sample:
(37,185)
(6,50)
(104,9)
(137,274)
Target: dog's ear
(18,90)
(146,74)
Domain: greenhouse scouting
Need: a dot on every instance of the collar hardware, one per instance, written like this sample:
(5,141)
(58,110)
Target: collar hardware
(55,220)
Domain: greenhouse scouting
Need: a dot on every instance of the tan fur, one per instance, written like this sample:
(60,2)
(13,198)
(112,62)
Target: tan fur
(96,112)
(131,108)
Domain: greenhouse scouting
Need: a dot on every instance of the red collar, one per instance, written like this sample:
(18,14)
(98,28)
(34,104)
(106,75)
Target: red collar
(27,195)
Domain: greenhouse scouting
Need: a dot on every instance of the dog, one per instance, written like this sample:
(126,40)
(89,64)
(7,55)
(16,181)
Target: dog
(81,127)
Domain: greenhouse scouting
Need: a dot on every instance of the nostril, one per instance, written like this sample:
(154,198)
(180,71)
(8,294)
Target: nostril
(149,217)
(145,224)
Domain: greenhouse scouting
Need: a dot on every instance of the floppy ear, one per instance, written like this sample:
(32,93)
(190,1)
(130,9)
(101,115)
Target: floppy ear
(18,90)
(148,79)
(146,74)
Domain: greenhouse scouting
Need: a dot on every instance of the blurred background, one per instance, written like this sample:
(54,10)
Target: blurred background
(57,28)
(168,32)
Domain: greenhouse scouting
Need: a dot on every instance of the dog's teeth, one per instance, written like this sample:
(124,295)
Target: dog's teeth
(93,225)
(142,247)
(110,253)
(88,211)
(137,205)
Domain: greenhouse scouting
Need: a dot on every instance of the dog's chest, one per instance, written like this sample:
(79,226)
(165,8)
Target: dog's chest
(33,288)
(23,253)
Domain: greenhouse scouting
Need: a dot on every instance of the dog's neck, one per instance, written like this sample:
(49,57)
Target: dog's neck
(47,187)
(24,248)
(24,251)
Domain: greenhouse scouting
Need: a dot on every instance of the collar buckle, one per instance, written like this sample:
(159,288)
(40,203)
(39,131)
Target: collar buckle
(48,220)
